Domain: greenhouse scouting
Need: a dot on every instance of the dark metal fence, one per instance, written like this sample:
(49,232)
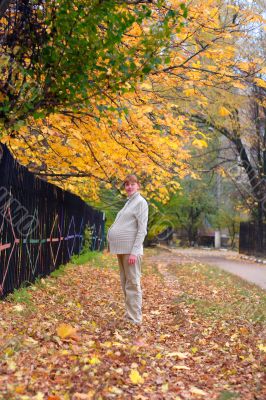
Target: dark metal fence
(252,239)
(41,225)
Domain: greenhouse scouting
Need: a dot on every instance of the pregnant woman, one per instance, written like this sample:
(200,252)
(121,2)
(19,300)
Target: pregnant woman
(125,238)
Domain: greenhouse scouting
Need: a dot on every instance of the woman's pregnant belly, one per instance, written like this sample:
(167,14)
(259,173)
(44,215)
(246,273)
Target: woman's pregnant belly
(115,233)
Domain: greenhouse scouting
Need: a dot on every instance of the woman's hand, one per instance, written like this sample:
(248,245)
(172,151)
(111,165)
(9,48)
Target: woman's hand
(132,259)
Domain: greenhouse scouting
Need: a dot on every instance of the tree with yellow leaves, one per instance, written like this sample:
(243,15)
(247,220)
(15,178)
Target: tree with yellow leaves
(131,119)
(234,106)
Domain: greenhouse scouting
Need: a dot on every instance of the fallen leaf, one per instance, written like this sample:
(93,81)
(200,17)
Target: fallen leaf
(180,367)
(66,331)
(262,347)
(135,377)
(116,390)
(12,366)
(20,389)
(30,342)
(82,396)
(194,350)
(19,307)
(165,388)
(94,361)
(177,354)
(163,337)
(140,342)
(119,371)
(244,331)
(200,392)
(118,336)
(39,396)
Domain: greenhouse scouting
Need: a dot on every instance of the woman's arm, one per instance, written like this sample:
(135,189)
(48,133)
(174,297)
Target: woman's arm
(142,220)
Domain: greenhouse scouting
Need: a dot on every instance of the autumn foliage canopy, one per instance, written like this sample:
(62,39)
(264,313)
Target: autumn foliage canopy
(96,90)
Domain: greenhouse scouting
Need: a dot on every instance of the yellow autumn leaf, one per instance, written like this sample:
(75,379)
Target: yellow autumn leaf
(189,92)
(166,335)
(146,86)
(245,66)
(65,331)
(223,111)
(3,20)
(12,366)
(20,389)
(200,143)
(64,352)
(195,390)
(147,108)
(135,30)
(135,377)
(260,82)
(94,361)
(262,347)
(239,85)
(194,350)
(165,388)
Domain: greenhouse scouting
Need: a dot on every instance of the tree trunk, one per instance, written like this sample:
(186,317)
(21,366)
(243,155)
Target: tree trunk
(260,229)
(3,7)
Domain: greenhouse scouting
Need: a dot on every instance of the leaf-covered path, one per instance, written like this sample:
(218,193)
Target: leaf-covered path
(203,336)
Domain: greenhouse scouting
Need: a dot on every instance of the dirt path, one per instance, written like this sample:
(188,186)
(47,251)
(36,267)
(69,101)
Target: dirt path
(228,261)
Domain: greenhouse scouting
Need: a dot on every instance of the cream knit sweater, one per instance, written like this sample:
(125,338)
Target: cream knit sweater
(127,233)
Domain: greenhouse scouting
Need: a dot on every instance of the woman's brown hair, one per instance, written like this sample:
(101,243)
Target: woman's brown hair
(131,178)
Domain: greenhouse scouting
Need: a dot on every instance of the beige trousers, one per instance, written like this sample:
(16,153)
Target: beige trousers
(130,275)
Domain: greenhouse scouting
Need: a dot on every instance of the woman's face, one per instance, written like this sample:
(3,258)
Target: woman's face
(131,188)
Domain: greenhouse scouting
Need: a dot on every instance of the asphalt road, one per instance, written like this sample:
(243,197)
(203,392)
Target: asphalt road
(229,261)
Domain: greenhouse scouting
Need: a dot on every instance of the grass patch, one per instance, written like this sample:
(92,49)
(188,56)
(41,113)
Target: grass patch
(96,259)
(204,307)
(20,295)
(22,298)
(40,282)
(221,294)
(61,270)
(83,258)
(226,395)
